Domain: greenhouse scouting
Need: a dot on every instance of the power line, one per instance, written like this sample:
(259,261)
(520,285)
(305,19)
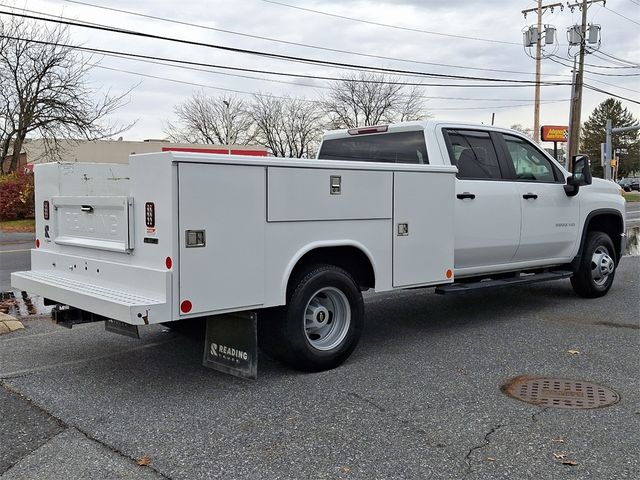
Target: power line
(622,60)
(277,56)
(244,92)
(191,65)
(286,42)
(620,15)
(595,73)
(596,89)
(386,25)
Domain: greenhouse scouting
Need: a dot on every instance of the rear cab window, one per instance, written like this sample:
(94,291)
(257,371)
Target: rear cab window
(474,153)
(392,147)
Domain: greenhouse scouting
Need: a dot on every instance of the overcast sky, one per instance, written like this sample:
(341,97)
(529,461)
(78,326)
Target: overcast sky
(152,101)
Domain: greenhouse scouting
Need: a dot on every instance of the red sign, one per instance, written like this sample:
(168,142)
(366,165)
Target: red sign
(554,133)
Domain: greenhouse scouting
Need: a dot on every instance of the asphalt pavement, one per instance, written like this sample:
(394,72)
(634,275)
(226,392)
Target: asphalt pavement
(633,213)
(15,255)
(420,397)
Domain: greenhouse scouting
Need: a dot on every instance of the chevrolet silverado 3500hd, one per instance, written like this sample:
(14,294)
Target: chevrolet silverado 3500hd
(174,236)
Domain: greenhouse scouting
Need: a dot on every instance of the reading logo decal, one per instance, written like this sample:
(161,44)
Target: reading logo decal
(228,353)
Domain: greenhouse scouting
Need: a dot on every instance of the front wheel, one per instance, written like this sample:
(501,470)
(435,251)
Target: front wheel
(597,266)
(321,324)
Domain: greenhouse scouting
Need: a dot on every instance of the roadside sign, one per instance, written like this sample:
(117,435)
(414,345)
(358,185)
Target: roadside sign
(554,133)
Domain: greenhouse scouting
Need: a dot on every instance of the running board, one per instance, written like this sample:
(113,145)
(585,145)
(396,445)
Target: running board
(521,279)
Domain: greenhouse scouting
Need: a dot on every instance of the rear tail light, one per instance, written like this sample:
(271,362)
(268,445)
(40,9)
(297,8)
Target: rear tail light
(150,214)
(45,209)
(365,130)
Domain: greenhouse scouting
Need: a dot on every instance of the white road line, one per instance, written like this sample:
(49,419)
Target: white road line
(15,251)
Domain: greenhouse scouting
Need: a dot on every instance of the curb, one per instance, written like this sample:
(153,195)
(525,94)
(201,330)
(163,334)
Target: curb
(9,324)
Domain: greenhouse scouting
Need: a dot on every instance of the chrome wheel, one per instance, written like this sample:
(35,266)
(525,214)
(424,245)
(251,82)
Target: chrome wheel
(602,265)
(327,318)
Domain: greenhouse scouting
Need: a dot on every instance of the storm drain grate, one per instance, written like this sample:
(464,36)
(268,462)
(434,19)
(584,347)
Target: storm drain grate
(560,392)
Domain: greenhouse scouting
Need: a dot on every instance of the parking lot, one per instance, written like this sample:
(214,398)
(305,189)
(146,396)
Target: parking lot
(420,397)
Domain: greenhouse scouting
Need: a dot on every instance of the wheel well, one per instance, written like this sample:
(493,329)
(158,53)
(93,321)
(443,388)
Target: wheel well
(351,259)
(611,224)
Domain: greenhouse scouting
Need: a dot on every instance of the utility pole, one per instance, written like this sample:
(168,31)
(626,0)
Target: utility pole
(576,99)
(540,9)
(608,149)
(536,106)
(228,126)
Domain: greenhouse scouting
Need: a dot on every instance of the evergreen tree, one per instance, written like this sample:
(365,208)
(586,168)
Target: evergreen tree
(628,143)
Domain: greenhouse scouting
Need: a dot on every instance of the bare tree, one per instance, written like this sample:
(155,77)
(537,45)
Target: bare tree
(44,91)
(218,120)
(369,98)
(287,126)
(524,130)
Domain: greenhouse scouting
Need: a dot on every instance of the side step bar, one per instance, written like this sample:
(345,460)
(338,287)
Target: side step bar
(520,279)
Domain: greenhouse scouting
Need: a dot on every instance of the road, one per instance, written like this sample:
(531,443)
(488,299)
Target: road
(633,213)
(15,255)
(420,397)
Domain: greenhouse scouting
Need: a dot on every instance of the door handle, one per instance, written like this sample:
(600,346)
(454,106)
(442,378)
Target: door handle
(528,196)
(464,195)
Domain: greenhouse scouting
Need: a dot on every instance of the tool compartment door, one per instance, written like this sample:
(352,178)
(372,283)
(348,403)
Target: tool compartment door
(222,223)
(422,228)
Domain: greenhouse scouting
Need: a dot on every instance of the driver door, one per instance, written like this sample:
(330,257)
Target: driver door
(550,218)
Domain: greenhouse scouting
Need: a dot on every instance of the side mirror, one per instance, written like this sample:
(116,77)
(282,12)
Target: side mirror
(580,175)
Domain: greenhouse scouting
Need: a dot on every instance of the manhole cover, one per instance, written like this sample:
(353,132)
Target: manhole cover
(560,392)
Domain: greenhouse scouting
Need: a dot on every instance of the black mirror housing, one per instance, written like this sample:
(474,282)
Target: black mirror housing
(581,170)
(580,175)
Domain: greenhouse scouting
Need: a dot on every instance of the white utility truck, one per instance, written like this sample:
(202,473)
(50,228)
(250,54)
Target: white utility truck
(175,236)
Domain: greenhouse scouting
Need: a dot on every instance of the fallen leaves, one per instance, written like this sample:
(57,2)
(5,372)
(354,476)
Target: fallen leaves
(564,460)
(344,469)
(573,352)
(144,461)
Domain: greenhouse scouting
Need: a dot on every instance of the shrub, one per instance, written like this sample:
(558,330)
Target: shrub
(16,196)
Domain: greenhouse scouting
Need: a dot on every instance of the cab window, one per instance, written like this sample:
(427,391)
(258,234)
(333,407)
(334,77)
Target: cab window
(473,152)
(530,164)
(395,147)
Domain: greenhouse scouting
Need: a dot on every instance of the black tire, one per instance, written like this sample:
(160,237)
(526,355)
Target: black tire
(583,281)
(286,335)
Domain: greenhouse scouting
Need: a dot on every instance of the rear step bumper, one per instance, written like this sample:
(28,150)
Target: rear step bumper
(134,295)
(457,288)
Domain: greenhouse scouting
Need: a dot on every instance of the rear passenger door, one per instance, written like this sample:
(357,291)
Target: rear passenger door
(486,208)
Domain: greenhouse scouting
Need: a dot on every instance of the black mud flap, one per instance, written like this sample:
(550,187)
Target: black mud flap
(126,329)
(231,344)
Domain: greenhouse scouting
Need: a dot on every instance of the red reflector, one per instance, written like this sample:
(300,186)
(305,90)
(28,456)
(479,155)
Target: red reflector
(185,306)
(37,243)
(365,130)
(45,209)
(168,262)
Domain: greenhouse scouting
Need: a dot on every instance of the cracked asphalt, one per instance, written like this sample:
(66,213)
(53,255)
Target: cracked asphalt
(420,398)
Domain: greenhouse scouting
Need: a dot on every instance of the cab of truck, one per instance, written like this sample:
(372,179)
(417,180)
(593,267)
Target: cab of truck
(515,208)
